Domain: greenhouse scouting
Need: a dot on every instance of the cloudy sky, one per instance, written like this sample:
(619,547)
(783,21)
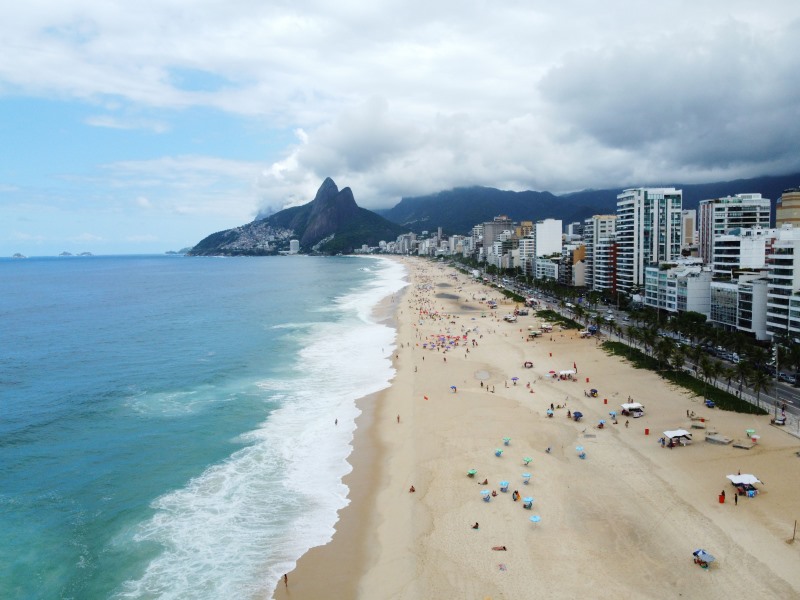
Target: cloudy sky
(143,126)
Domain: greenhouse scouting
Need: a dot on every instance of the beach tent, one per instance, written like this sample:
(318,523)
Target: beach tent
(635,409)
(678,436)
(745,479)
(567,372)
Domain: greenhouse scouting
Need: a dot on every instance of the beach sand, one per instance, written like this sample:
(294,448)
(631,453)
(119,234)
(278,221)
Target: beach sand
(624,521)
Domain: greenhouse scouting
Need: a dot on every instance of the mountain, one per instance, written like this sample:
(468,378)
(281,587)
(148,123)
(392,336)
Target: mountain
(332,223)
(459,209)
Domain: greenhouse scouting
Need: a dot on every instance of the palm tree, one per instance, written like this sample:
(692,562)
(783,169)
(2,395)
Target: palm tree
(678,358)
(707,367)
(663,351)
(743,372)
(760,381)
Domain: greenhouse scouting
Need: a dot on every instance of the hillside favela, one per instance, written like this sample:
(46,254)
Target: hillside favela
(400,302)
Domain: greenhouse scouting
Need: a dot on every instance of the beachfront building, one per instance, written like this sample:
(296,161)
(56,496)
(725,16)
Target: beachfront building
(679,286)
(784,283)
(294,246)
(648,230)
(718,216)
(788,209)
(547,267)
(598,234)
(688,228)
(572,265)
(741,303)
(527,255)
(548,237)
(741,249)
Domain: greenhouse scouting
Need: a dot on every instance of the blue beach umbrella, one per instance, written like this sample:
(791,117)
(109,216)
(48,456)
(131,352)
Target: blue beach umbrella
(579,448)
(498,452)
(527,499)
(535,518)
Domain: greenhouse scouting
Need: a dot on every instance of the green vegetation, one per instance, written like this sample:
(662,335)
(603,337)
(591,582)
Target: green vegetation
(723,400)
(555,318)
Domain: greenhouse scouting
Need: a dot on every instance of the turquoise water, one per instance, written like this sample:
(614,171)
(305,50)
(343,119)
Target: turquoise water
(167,422)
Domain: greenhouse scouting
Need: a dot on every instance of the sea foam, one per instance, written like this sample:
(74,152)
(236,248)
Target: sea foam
(235,529)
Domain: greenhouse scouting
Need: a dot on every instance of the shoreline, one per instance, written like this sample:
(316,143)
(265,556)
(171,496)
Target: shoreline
(629,498)
(335,569)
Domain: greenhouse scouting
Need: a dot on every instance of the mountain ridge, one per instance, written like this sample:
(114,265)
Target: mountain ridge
(331,223)
(457,210)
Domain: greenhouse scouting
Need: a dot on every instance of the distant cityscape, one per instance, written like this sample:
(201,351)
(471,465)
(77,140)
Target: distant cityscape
(723,260)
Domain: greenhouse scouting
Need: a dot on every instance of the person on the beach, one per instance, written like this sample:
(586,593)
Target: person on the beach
(336,421)
(626,422)
(475,526)
(412,489)
(485,482)
(498,547)
(285,580)
(398,418)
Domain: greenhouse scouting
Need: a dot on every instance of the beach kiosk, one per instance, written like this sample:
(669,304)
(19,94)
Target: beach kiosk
(677,437)
(745,484)
(632,409)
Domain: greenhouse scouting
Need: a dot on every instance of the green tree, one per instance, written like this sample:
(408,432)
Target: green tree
(759,381)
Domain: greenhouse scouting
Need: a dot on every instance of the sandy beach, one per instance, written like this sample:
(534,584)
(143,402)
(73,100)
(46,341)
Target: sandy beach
(621,522)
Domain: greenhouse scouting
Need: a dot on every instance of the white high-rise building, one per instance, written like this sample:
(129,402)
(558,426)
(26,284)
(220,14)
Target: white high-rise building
(648,230)
(720,215)
(548,237)
(783,289)
(294,246)
(741,249)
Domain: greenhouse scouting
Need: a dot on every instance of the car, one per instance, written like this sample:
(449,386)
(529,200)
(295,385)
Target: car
(787,377)
(626,319)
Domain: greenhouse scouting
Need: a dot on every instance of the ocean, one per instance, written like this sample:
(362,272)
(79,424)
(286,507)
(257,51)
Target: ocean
(167,424)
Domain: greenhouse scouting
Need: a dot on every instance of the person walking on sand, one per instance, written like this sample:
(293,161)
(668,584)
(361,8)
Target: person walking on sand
(398,418)
(736,499)
(286,580)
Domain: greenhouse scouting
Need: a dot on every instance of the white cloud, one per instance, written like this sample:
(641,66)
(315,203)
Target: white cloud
(143,202)
(122,123)
(399,98)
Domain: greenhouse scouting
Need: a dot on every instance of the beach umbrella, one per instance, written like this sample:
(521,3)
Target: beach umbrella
(613,414)
(485,492)
(577,414)
(594,391)
(506,440)
(526,460)
(602,421)
(579,448)
(498,452)
(549,412)
(515,379)
(472,472)
(552,372)
(535,518)
(452,387)
(526,477)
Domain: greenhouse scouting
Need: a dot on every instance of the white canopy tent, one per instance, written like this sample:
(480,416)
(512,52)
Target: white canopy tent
(634,408)
(678,433)
(746,479)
